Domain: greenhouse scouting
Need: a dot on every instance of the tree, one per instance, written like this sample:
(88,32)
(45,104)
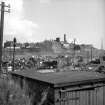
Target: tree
(8,44)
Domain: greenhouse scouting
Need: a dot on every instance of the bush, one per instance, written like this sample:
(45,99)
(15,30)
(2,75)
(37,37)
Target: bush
(11,94)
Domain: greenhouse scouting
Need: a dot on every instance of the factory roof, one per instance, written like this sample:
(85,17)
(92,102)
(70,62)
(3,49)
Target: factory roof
(60,79)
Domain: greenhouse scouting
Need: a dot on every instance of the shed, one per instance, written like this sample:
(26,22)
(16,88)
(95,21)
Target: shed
(63,88)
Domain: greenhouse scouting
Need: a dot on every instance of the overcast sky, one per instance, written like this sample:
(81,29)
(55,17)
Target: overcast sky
(37,20)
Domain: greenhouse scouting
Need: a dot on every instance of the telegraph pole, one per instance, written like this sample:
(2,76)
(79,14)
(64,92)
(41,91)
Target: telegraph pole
(74,52)
(14,45)
(74,46)
(1,29)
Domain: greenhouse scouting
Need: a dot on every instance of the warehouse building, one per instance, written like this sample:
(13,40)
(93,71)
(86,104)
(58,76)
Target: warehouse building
(62,88)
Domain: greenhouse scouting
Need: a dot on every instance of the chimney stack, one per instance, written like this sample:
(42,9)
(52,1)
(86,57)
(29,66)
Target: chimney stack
(65,41)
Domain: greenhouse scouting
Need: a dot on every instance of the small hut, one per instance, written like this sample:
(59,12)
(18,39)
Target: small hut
(62,88)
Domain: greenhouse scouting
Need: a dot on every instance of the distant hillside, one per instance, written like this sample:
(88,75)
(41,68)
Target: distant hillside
(53,47)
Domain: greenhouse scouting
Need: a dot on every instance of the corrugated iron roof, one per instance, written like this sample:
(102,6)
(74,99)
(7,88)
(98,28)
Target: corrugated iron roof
(59,79)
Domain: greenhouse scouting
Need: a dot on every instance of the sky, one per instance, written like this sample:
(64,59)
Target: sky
(38,20)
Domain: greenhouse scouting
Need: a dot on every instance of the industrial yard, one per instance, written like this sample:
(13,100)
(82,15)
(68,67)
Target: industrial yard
(52,52)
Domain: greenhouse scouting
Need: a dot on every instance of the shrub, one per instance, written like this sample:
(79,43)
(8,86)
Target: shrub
(11,94)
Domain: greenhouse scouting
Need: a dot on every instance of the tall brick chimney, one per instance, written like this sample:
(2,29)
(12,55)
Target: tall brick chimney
(65,41)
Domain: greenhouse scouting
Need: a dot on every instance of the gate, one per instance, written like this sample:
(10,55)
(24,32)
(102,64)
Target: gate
(94,95)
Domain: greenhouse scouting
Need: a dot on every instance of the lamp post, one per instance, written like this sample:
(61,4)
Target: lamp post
(14,45)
